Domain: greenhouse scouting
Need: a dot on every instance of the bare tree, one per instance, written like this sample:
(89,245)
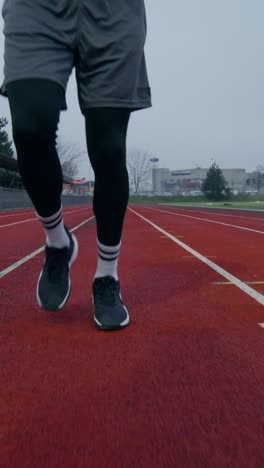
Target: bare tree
(256,179)
(70,156)
(138,164)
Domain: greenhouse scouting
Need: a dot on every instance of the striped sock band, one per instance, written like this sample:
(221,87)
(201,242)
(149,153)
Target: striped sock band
(56,235)
(107,260)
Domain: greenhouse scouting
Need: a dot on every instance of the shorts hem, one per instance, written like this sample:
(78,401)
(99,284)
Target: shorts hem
(3,91)
(133,106)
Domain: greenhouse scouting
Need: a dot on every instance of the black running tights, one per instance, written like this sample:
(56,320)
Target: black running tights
(35,109)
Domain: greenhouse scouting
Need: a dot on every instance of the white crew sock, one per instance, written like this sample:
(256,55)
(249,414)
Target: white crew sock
(107,260)
(56,235)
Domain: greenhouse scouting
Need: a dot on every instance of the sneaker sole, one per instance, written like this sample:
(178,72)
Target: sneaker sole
(72,260)
(123,324)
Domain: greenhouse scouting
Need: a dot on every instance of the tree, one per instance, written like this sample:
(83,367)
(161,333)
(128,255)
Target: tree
(257,178)
(70,157)
(138,164)
(215,186)
(5,144)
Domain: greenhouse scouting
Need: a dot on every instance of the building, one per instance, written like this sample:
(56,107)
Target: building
(189,181)
(77,187)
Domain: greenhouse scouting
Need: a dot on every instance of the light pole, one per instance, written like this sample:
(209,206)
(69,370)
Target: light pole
(89,177)
(200,181)
(90,172)
(154,162)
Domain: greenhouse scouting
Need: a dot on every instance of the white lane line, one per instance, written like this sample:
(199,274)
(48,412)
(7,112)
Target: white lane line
(18,222)
(165,237)
(23,260)
(219,208)
(191,256)
(36,219)
(224,214)
(236,281)
(225,283)
(12,214)
(206,220)
(25,212)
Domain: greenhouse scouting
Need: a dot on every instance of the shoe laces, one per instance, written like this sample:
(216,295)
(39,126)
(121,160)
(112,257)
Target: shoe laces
(106,290)
(56,259)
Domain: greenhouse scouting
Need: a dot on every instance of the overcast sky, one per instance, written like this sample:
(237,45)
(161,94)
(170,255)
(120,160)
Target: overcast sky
(206,70)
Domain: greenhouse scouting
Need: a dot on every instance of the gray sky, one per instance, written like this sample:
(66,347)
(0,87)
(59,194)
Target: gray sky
(206,70)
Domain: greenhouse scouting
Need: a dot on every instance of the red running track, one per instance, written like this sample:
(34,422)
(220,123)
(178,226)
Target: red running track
(181,387)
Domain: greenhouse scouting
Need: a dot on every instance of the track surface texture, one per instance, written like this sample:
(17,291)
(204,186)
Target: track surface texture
(182,386)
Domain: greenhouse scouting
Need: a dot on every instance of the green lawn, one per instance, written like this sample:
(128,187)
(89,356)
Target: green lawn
(239,202)
(228,205)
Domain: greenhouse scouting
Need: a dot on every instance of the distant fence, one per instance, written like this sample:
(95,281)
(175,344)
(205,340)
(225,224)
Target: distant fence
(15,199)
(18,198)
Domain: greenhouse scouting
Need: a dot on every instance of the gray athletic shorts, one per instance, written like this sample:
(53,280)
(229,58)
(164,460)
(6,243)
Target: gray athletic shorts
(103,39)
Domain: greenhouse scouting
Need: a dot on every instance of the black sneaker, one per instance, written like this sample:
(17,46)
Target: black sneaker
(110,312)
(54,284)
